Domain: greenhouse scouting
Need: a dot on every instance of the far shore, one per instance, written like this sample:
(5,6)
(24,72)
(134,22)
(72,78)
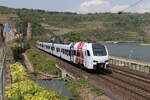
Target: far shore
(145,44)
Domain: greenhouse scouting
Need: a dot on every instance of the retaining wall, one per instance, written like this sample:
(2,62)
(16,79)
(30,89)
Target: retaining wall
(131,64)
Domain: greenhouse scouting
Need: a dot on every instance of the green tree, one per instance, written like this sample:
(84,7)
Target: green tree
(74,37)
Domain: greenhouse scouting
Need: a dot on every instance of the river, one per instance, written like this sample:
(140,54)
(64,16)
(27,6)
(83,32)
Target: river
(130,50)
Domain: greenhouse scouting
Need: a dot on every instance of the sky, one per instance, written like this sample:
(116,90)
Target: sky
(80,6)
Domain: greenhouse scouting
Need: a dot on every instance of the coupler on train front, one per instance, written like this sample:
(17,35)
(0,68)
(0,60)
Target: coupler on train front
(103,66)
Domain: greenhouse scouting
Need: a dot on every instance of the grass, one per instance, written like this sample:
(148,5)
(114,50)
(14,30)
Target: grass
(97,91)
(74,86)
(1,60)
(1,57)
(41,62)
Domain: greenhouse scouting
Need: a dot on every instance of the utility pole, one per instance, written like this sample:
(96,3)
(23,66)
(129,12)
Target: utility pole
(3,46)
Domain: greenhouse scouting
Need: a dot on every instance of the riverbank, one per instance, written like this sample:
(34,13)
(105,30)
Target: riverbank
(145,44)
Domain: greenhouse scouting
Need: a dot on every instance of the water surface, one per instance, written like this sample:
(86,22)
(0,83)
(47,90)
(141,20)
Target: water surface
(130,50)
(58,86)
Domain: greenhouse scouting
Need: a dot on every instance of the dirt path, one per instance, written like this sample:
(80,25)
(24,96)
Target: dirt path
(87,94)
(28,64)
(39,75)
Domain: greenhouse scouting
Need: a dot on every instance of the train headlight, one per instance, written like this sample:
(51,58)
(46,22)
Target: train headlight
(95,61)
(106,61)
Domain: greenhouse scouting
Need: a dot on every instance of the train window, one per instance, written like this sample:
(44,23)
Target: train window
(85,53)
(58,49)
(67,52)
(74,52)
(48,47)
(78,53)
(71,52)
(88,53)
(51,48)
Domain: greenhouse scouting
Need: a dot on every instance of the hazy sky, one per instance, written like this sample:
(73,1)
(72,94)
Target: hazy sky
(80,6)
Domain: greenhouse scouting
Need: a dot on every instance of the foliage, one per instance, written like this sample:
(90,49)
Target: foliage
(22,88)
(26,45)
(43,37)
(18,47)
(16,50)
(91,27)
(73,37)
(1,59)
(41,61)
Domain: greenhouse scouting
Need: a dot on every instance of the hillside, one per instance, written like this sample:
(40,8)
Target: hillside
(85,27)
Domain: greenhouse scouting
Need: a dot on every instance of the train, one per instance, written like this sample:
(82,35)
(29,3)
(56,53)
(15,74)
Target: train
(91,56)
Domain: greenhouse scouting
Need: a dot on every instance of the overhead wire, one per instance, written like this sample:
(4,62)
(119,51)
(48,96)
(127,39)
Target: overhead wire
(136,3)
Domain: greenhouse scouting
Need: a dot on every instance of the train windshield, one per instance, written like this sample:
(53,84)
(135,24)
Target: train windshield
(99,50)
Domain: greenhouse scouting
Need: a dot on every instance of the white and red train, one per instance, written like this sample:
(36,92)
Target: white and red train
(89,55)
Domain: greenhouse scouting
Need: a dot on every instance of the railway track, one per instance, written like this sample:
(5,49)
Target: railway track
(134,90)
(126,85)
(121,85)
(132,73)
(139,83)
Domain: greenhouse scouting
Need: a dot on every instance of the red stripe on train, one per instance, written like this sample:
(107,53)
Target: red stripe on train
(80,48)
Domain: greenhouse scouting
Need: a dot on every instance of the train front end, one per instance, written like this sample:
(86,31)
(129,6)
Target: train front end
(100,56)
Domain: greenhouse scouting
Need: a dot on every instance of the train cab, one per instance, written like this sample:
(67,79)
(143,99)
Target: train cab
(100,56)
(91,55)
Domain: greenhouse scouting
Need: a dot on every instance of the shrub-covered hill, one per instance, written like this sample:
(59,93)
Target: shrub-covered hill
(88,27)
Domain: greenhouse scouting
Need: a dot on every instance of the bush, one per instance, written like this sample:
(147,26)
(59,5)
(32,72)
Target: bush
(26,45)
(22,88)
(16,50)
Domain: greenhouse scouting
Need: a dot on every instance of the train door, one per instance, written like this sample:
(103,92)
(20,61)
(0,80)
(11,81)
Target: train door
(72,52)
(88,60)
